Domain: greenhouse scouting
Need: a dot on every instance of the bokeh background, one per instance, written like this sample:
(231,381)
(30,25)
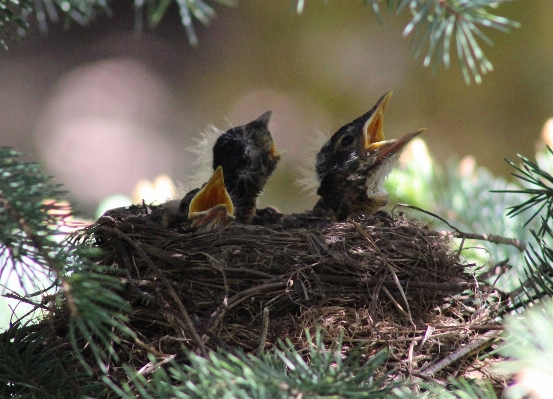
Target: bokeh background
(105,107)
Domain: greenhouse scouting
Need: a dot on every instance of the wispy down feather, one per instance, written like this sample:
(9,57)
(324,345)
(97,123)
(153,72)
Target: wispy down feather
(203,153)
(307,178)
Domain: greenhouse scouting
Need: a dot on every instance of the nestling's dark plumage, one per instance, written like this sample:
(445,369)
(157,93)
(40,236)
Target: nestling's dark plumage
(352,166)
(248,157)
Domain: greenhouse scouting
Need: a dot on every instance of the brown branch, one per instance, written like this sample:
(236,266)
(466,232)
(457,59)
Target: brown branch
(236,299)
(480,343)
(129,286)
(263,339)
(24,299)
(151,367)
(249,271)
(174,259)
(42,291)
(454,330)
(518,244)
(397,305)
(208,333)
(487,327)
(178,260)
(150,348)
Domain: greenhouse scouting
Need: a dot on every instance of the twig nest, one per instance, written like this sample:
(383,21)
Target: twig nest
(389,265)
(384,280)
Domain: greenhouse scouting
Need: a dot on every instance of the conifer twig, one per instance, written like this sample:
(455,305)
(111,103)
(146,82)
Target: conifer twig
(518,244)
(515,242)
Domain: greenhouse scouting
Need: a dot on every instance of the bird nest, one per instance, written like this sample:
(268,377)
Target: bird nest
(384,281)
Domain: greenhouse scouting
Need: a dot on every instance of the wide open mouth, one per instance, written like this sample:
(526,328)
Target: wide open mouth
(373,129)
(384,150)
(212,194)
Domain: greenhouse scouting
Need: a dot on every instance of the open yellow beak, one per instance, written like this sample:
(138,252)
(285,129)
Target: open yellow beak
(211,195)
(274,153)
(373,130)
(384,149)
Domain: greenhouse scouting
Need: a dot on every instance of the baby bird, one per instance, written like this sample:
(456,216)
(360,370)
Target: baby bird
(248,156)
(209,208)
(352,166)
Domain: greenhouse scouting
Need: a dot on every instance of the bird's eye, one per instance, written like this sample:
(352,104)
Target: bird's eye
(346,141)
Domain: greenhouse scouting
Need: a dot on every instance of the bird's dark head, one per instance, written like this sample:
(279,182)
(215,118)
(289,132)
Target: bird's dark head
(342,153)
(361,190)
(247,149)
(259,142)
(248,156)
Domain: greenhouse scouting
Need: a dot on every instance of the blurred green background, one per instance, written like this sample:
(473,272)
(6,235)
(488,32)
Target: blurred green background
(104,107)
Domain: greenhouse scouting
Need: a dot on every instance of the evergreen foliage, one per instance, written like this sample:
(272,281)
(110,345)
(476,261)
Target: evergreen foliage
(538,279)
(283,374)
(33,367)
(30,247)
(27,217)
(521,210)
(436,26)
(12,22)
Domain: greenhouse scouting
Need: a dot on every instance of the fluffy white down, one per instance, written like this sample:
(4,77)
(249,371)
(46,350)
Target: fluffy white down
(376,186)
(203,154)
(308,180)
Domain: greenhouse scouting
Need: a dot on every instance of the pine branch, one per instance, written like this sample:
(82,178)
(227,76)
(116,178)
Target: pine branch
(155,10)
(285,373)
(477,344)
(15,15)
(539,188)
(12,23)
(82,12)
(436,24)
(33,366)
(31,218)
(518,244)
